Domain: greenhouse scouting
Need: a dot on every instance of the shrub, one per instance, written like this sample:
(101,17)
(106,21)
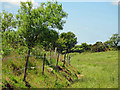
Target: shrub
(6,50)
(98,47)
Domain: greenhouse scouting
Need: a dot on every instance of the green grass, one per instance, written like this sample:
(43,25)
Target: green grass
(34,78)
(100,69)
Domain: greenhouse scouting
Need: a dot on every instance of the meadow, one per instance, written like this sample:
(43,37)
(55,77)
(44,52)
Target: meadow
(100,69)
(30,40)
(57,77)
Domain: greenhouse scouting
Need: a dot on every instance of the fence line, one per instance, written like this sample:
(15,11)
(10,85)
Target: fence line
(13,57)
(24,68)
(13,72)
(25,56)
(44,57)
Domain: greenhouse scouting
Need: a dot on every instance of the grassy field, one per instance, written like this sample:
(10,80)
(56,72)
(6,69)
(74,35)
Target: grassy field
(57,78)
(100,69)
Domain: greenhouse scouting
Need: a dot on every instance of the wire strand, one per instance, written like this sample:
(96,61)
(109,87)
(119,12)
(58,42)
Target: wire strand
(25,56)
(27,67)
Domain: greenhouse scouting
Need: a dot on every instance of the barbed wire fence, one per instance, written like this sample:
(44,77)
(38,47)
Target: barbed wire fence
(42,57)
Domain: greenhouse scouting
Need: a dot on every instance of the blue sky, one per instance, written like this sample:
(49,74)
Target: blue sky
(90,21)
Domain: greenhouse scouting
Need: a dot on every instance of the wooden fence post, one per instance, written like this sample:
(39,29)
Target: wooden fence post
(43,63)
(57,60)
(50,55)
(26,65)
(69,59)
(55,50)
(64,60)
(67,56)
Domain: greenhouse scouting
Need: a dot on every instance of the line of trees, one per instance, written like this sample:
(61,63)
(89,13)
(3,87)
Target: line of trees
(32,27)
(111,44)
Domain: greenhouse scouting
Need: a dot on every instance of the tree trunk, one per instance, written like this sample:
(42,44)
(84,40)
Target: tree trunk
(26,64)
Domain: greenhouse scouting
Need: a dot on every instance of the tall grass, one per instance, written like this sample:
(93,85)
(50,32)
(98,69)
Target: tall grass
(100,69)
(34,79)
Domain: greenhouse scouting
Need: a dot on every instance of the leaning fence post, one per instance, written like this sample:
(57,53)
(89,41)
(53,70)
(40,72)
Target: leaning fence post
(69,59)
(26,65)
(43,63)
(57,60)
(64,60)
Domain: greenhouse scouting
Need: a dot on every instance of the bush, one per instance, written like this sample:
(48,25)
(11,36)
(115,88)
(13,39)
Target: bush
(6,50)
(37,51)
(22,50)
(77,49)
(98,47)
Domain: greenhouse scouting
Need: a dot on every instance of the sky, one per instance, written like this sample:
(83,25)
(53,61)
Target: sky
(89,21)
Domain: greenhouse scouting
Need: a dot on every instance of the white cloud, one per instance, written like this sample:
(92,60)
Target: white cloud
(17,2)
(116,2)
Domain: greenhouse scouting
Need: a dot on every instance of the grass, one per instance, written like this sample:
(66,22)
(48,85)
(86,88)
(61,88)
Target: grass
(100,69)
(35,79)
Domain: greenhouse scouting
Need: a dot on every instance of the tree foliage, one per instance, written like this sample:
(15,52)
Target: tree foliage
(85,46)
(32,26)
(35,24)
(114,40)
(52,37)
(112,43)
(77,48)
(8,21)
(66,41)
(98,47)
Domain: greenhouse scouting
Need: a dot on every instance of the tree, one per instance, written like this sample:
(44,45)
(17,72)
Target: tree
(85,46)
(67,41)
(34,24)
(112,43)
(8,21)
(7,25)
(108,43)
(114,40)
(60,45)
(13,38)
(0,22)
(9,37)
(52,37)
(98,47)
(77,48)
